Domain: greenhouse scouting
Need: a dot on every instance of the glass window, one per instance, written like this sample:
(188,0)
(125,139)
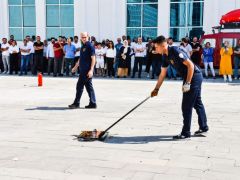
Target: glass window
(178,14)
(66,2)
(22,18)
(60,18)
(142,18)
(28,2)
(17,32)
(29,32)
(15,16)
(14,2)
(133,32)
(134,15)
(52,1)
(29,15)
(52,16)
(149,33)
(186,18)
(67,16)
(150,15)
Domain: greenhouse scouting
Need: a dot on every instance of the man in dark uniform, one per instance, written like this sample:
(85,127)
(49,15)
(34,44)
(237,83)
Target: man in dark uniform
(86,65)
(192,81)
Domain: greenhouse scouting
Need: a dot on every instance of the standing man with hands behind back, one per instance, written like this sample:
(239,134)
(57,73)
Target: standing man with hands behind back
(192,81)
(86,65)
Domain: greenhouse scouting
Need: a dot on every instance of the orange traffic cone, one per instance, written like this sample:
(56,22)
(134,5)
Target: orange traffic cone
(40,81)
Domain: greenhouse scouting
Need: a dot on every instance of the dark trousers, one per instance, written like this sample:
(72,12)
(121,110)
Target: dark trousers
(69,65)
(192,99)
(110,66)
(1,64)
(138,66)
(75,61)
(129,63)
(38,63)
(84,81)
(45,64)
(149,64)
(14,63)
(50,65)
(156,67)
(57,66)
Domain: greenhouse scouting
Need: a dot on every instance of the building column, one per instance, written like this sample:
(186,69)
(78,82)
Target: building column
(163,17)
(40,7)
(79,17)
(4,20)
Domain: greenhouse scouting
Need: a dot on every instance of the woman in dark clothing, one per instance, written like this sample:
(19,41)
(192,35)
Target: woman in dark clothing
(125,57)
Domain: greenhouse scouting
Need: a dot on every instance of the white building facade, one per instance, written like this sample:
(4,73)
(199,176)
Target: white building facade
(111,18)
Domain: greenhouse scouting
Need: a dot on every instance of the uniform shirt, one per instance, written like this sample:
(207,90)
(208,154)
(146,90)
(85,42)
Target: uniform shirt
(13,48)
(175,58)
(86,53)
(5,53)
(77,45)
(139,46)
(27,47)
(36,44)
(69,51)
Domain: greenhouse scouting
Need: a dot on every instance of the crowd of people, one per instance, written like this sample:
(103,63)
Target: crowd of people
(123,59)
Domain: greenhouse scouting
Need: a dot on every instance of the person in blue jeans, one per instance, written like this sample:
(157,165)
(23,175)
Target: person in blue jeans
(69,51)
(191,88)
(236,60)
(25,50)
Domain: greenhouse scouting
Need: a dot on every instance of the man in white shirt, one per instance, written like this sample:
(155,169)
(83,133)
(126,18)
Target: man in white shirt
(139,49)
(50,56)
(77,45)
(187,47)
(25,50)
(30,44)
(5,55)
(100,60)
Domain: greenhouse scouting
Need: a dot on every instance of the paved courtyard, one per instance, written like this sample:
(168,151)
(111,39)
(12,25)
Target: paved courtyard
(37,142)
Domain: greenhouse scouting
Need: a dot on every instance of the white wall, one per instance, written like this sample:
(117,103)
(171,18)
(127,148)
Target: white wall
(163,17)
(4,19)
(40,18)
(214,10)
(100,18)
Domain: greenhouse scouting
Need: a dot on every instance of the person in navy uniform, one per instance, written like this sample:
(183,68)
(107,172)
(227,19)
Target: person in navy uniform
(192,81)
(86,65)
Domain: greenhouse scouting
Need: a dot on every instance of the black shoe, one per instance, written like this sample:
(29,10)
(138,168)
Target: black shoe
(73,106)
(91,106)
(200,131)
(181,136)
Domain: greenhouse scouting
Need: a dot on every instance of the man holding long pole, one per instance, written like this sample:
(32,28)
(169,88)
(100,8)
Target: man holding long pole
(192,82)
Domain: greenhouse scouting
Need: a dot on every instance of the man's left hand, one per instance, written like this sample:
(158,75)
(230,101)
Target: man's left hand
(90,74)
(186,87)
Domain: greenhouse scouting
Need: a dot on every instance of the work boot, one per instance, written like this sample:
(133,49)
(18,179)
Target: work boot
(91,106)
(181,136)
(201,131)
(73,106)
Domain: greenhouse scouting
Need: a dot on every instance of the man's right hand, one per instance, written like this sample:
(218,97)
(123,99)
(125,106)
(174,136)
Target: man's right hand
(74,69)
(154,92)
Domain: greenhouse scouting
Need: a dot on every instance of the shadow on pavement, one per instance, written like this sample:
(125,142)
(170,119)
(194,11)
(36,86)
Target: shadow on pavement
(143,139)
(50,109)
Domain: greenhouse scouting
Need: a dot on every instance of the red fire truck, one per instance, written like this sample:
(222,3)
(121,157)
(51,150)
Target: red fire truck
(230,21)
